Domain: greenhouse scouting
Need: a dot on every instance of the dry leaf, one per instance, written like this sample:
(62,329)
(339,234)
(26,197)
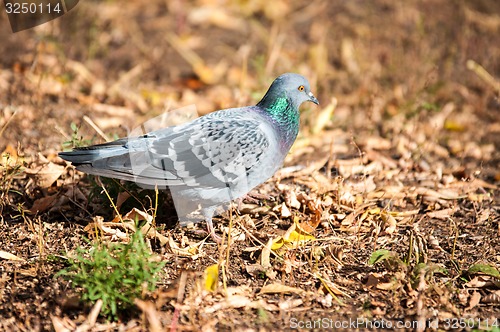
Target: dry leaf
(73,193)
(265,256)
(283,210)
(493,298)
(257,270)
(474,300)
(388,285)
(276,288)
(442,214)
(390,222)
(291,199)
(336,252)
(315,207)
(10,257)
(94,313)
(135,215)
(372,279)
(122,197)
(217,16)
(191,251)
(324,116)
(478,282)
(62,324)
(463,296)
(45,175)
(434,243)
(235,301)
(43,204)
(290,304)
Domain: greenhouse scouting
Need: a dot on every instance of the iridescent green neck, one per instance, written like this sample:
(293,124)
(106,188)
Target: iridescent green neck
(285,116)
(283,112)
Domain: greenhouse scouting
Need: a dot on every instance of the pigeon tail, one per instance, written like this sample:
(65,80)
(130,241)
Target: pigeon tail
(87,156)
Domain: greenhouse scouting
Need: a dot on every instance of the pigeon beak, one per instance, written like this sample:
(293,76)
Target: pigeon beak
(313,99)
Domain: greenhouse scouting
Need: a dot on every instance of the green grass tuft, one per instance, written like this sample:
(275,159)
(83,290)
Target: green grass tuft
(116,273)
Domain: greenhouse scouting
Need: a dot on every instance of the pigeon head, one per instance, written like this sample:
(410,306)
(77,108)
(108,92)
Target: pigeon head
(289,91)
(281,104)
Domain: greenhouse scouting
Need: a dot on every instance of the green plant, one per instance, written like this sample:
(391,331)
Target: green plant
(390,258)
(115,273)
(76,140)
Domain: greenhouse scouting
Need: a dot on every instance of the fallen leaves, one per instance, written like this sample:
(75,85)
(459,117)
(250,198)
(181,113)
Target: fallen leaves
(485,286)
(44,172)
(406,145)
(207,74)
(369,199)
(120,228)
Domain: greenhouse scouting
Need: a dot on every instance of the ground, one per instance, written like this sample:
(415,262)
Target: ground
(392,182)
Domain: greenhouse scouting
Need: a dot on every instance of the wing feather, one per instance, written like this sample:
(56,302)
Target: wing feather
(212,151)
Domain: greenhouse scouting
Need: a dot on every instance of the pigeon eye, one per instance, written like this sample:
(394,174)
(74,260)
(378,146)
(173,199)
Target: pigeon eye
(301,88)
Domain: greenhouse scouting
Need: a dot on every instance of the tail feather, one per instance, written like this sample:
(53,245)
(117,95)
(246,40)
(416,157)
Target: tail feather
(116,160)
(91,154)
(107,145)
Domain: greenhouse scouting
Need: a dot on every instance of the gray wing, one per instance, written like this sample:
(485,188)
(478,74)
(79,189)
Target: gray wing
(213,151)
(223,149)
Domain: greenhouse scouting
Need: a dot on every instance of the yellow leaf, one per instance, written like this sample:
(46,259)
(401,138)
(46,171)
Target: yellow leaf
(155,98)
(323,118)
(453,126)
(278,243)
(211,277)
(299,237)
(293,238)
(390,221)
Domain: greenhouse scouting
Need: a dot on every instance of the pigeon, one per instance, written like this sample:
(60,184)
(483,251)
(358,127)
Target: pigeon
(212,160)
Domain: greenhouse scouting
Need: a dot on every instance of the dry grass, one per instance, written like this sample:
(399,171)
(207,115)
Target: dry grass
(388,206)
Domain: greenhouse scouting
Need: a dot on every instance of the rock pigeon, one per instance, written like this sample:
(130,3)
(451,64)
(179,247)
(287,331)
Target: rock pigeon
(212,160)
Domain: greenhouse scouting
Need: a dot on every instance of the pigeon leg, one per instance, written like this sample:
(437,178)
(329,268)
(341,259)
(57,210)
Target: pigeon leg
(208,213)
(211,231)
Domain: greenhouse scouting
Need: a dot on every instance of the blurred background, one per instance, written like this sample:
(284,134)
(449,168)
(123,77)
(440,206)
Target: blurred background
(120,63)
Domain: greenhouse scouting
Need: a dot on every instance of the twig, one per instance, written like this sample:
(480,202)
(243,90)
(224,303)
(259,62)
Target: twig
(7,123)
(112,203)
(483,74)
(96,128)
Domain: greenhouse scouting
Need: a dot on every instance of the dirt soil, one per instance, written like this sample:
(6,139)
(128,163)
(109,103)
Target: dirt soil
(400,161)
